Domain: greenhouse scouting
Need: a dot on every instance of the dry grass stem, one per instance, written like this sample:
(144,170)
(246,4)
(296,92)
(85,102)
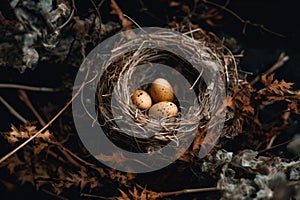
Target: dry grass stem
(279,63)
(13,111)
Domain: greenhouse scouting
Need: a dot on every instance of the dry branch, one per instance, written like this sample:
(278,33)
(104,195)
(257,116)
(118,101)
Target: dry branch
(47,125)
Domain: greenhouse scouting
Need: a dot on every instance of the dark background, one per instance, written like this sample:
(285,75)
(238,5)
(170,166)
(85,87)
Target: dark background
(261,50)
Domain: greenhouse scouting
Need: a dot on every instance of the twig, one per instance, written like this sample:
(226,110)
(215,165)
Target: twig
(98,14)
(25,99)
(163,194)
(245,22)
(70,16)
(95,196)
(207,16)
(100,4)
(188,191)
(285,116)
(65,150)
(275,146)
(97,11)
(55,155)
(70,159)
(280,62)
(13,111)
(48,124)
(273,138)
(117,10)
(133,22)
(198,138)
(294,183)
(26,87)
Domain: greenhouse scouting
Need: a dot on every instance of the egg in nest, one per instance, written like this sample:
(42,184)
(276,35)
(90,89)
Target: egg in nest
(161,90)
(163,109)
(141,99)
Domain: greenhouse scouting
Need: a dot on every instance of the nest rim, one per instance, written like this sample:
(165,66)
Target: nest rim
(138,56)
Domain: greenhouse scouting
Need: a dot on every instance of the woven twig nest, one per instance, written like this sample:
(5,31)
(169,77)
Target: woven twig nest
(195,69)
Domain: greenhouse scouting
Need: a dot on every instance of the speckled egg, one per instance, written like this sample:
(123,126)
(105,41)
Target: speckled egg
(161,90)
(141,99)
(163,109)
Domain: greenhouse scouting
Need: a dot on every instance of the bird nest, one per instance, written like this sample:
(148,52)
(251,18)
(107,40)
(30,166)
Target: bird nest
(198,68)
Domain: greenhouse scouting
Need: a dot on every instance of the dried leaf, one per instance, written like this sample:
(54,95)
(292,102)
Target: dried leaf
(257,121)
(101,172)
(186,9)
(174,3)
(130,176)
(25,132)
(135,193)
(116,175)
(248,109)
(84,178)
(212,11)
(280,88)
(25,175)
(294,107)
(275,98)
(13,162)
(143,195)
(94,183)
(229,102)
(46,136)
(275,86)
(37,150)
(41,175)
(218,17)
(15,135)
(267,80)
(124,196)
(210,22)
(240,124)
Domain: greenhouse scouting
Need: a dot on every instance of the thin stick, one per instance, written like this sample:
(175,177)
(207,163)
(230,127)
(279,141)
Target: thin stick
(280,62)
(285,116)
(117,10)
(48,124)
(98,13)
(134,22)
(70,17)
(64,149)
(95,196)
(188,191)
(245,22)
(12,110)
(294,183)
(273,138)
(24,97)
(26,87)
(276,146)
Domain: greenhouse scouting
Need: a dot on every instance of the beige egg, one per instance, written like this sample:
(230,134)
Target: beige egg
(161,90)
(163,109)
(141,99)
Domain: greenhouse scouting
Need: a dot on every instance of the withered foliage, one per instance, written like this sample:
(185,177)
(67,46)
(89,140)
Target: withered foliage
(247,103)
(50,166)
(63,168)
